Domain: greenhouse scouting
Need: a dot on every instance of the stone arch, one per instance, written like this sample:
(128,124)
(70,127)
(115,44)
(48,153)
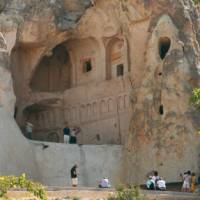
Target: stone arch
(53,73)
(83,113)
(53,137)
(89,110)
(120,102)
(95,109)
(103,107)
(74,113)
(116,58)
(86,60)
(66,114)
(111,107)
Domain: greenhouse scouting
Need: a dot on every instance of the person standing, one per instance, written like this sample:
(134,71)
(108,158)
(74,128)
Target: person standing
(186,181)
(29,130)
(66,134)
(193,182)
(74,175)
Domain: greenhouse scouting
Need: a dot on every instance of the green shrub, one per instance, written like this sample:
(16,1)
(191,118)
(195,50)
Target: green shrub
(76,198)
(195,100)
(10,182)
(196,2)
(132,193)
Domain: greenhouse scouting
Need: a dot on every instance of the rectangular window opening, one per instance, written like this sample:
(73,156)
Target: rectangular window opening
(161,109)
(87,66)
(120,70)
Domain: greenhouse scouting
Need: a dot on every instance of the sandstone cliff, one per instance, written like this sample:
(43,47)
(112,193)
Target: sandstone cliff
(27,23)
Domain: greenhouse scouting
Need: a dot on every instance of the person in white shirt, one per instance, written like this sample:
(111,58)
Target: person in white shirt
(186,181)
(29,130)
(105,183)
(161,184)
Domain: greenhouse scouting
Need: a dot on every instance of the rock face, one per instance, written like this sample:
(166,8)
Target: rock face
(17,154)
(163,128)
(7,98)
(123,73)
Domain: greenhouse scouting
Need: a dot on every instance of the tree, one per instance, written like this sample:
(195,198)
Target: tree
(196,2)
(195,100)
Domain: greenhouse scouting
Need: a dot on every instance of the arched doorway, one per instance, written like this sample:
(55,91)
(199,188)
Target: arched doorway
(53,73)
(115,58)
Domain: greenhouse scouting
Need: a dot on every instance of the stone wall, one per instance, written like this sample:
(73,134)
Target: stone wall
(94,162)
(17,154)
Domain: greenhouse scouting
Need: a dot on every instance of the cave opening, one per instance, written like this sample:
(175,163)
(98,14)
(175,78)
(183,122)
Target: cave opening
(164,46)
(52,74)
(87,66)
(51,88)
(120,70)
(161,109)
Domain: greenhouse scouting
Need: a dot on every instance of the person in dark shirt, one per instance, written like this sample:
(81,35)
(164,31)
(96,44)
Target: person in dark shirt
(66,133)
(74,175)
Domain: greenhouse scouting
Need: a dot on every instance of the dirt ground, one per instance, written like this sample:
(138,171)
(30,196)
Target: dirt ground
(99,194)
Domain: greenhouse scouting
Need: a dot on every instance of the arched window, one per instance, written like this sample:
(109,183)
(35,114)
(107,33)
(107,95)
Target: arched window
(164,46)
(115,58)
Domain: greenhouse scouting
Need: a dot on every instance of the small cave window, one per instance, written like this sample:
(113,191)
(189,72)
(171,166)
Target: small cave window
(98,137)
(161,109)
(120,70)
(87,66)
(164,46)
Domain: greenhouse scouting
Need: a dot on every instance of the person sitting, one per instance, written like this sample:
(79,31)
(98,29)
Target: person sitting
(161,184)
(155,176)
(150,183)
(104,183)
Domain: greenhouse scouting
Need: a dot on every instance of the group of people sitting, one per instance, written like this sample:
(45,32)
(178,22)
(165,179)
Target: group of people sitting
(155,182)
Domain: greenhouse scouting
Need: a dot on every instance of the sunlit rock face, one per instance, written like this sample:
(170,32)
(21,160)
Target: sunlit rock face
(7,97)
(164,126)
(120,70)
(17,153)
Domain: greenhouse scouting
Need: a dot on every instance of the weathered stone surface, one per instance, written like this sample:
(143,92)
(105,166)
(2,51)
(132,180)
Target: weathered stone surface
(169,135)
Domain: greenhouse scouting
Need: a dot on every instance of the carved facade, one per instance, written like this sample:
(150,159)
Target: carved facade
(84,85)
